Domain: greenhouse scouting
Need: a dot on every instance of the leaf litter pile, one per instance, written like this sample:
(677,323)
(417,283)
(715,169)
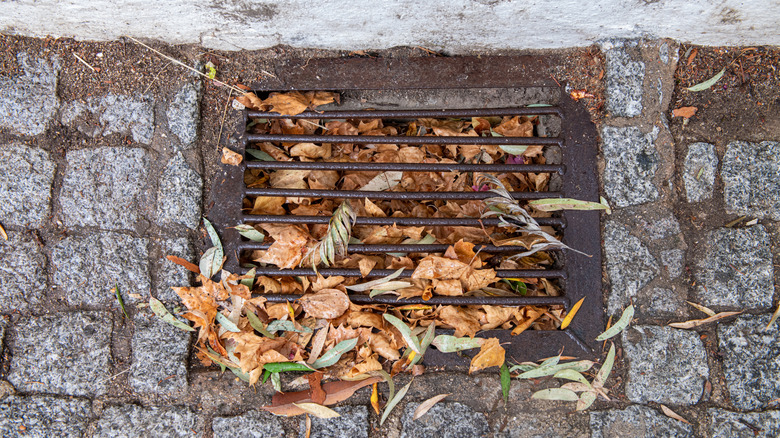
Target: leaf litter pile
(323,333)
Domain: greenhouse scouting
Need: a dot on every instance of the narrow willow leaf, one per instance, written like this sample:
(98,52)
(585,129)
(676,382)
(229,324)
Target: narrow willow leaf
(698,322)
(450,344)
(376,292)
(571,375)
(706,310)
(286,326)
(276,381)
(389,379)
(569,316)
(256,324)
(580,366)
(606,368)
(604,202)
(506,381)
(392,285)
(671,414)
(513,149)
(159,309)
(211,262)
(558,394)
(577,387)
(555,204)
(334,354)
(424,343)
(318,410)
(522,367)
(550,361)
(406,332)
(212,234)
(362,287)
(119,298)
(538,105)
(250,232)
(227,324)
(708,83)
(426,406)
(619,326)
(586,400)
(394,401)
(283,367)
(260,155)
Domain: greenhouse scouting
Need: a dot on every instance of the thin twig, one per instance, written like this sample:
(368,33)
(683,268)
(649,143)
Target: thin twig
(85,63)
(156,77)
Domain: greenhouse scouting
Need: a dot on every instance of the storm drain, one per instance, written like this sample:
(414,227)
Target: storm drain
(439,88)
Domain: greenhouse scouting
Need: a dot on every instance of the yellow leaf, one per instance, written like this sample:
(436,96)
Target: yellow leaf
(491,354)
(375,398)
(572,312)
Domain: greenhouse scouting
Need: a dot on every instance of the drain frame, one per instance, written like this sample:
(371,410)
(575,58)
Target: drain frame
(578,140)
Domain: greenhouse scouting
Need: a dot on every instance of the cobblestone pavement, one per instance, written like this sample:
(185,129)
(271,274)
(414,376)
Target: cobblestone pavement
(95,191)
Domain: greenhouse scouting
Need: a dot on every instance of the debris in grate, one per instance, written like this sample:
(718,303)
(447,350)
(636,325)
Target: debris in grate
(424,202)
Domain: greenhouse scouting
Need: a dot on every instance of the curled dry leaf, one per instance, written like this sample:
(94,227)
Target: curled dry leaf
(231,158)
(491,354)
(427,405)
(326,304)
(699,322)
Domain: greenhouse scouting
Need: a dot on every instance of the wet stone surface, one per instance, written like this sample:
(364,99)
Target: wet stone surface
(750,178)
(625,76)
(700,167)
(43,417)
(252,424)
(87,268)
(631,163)
(159,356)
(136,421)
(22,275)
(179,194)
(736,270)
(636,421)
(750,355)
(727,424)
(183,114)
(446,420)
(665,365)
(65,353)
(111,114)
(352,423)
(29,101)
(102,187)
(26,176)
(629,264)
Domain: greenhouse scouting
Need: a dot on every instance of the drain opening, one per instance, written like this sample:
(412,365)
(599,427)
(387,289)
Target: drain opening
(562,129)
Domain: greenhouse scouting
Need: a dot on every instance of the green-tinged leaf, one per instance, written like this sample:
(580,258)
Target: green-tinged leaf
(558,394)
(578,387)
(586,399)
(212,71)
(517,286)
(211,262)
(250,280)
(376,292)
(260,155)
(389,379)
(159,309)
(606,368)
(286,326)
(266,375)
(550,361)
(523,367)
(424,343)
(506,381)
(212,234)
(276,381)
(538,105)
(555,204)
(604,202)
(250,232)
(426,406)
(513,149)
(708,83)
(334,354)
(619,326)
(256,324)
(318,410)
(571,375)
(119,298)
(450,344)
(283,367)
(227,324)
(394,401)
(580,366)
(362,287)
(406,332)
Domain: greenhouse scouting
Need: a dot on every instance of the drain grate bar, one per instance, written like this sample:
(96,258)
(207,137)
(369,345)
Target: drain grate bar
(402,196)
(416,114)
(405,248)
(405,167)
(342,272)
(438,300)
(398,139)
(400,221)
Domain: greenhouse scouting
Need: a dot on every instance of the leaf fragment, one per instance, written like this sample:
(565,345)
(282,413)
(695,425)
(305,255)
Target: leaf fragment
(159,309)
(708,83)
(513,149)
(451,344)
(394,401)
(120,300)
(362,287)
(506,381)
(774,317)
(383,181)
(250,232)
(334,354)
(558,394)
(671,414)
(3,233)
(555,204)
(231,158)
(619,326)
(425,406)
(569,316)
(703,309)
(685,112)
(699,322)
(286,326)
(184,263)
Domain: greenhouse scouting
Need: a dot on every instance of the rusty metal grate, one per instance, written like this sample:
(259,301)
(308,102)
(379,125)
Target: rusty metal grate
(579,276)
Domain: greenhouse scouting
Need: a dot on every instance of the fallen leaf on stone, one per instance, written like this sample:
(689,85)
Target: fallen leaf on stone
(426,406)
(699,322)
(558,394)
(326,304)
(159,309)
(506,382)
(586,400)
(619,326)
(557,204)
(703,309)
(231,158)
(181,262)
(671,414)
(685,112)
(394,401)
(491,354)
(317,410)
(708,83)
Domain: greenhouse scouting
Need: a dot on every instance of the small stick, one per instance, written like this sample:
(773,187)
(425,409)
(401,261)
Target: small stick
(85,63)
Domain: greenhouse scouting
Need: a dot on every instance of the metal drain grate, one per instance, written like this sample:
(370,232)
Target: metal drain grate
(578,275)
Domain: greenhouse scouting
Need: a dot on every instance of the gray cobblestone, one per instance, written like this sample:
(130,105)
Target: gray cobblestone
(28,102)
(352,423)
(22,274)
(700,167)
(637,421)
(629,264)
(183,114)
(179,194)
(252,424)
(135,421)
(661,302)
(26,176)
(673,261)
(43,417)
(539,424)
(102,187)
(159,356)
(445,420)
(726,424)
(625,76)
(666,365)
(736,270)
(64,353)
(87,268)
(111,114)
(169,274)
(749,174)
(750,361)
(631,163)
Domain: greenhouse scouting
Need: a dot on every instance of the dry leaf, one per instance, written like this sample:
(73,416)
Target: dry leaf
(338,391)
(579,94)
(231,158)
(317,410)
(671,414)
(289,104)
(181,262)
(327,303)
(491,354)
(288,248)
(251,101)
(315,386)
(461,319)
(427,405)
(698,322)
(685,112)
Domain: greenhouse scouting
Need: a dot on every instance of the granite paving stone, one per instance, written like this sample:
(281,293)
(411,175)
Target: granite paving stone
(637,421)
(624,79)
(750,178)
(629,264)
(43,417)
(727,424)
(63,353)
(736,270)
(445,420)
(540,424)
(87,268)
(136,421)
(28,102)
(673,262)
(159,356)
(183,114)
(102,187)
(666,365)
(751,361)
(169,274)
(26,176)
(111,114)
(22,274)
(631,163)
(699,169)
(179,194)
(252,424)
(352,423)
(661,302)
